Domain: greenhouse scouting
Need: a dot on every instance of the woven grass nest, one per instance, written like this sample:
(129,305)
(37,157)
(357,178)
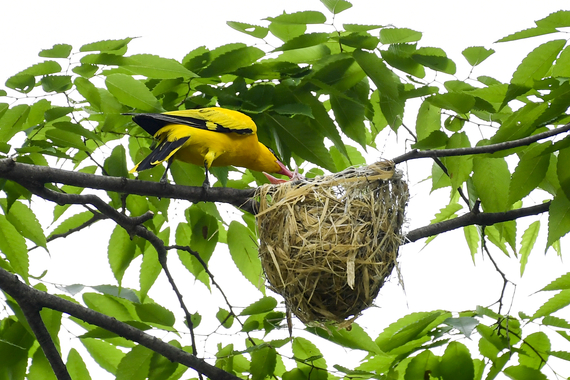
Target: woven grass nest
(328,244)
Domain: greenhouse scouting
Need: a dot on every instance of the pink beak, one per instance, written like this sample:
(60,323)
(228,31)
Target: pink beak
(283,171)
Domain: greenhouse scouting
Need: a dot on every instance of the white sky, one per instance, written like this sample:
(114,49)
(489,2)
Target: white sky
(440,275)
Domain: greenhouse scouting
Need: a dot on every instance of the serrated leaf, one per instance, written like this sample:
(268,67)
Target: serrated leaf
(252,30)
(244,251)
(562,65)
(556,322)
(135,364)
(263,361)
(472,238)
(132,93)
(56,83)
(562,282)
(232,60)
(108,305)
(458,102)
(491,178)
(428,120)
(535,350)
(555,303)
(527,33)
(66,139)
(76,366)
(12,121)
(336,6)
(465,325)
(120,252)
(13,246)
(558,19)
(360,40)
(407,329)
(150,269)
(350,118)
(355,338)
(360,27)
(421,365)
(303,17)
(558,218)
(522,372)
(456,363)
(476,54)
(304,41)
(71,223)
(399,35)
(107,355)
(153,66)
(260,306)
(563,170)
(527,243)
(528,174)
(459,167)
(225,318)
(435,59)
(25,221)
(106,45)
(154,313)
(57,51)
(537,63)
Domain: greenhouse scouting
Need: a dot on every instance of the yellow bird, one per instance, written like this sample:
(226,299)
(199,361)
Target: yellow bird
(208,136)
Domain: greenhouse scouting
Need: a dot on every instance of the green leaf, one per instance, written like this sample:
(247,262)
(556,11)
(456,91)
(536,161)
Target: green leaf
(116,164)
(527,33)
(400,57)
(108,305)
(350,117)
(458,102)
(428,120)
(135,364)
(304,17)
(120,252)
(57,51)
(491,178)
(456,363)
(422,365)
(558,218)
(562,282)
(40,369)
(187,174)
(360,28)
(537,63)
(520,124)
(252,30)
(232,60)
(465,325)
(306,352)
(355,338)
(56,83)
(476,54)
(42,68)
(260,306)
(263,361)
(561,355)
(555,303)
(529,173)
(360,40)
(522,372)
(154,313)
(12,121)
(527,243)
(535,350)
(66,139)
(132,93)
(563,170)
(406,329)
(399,35)
(106,45)
(25,221)
(71,223)
(243,249)
(88,91)
(458,167)
(435,59)
(472,237)
(336,6)
(150,270)
(558,19)
(556,322)
(308,145)
(153,66)
(562,66)
(107,355)
(76,366)
(23,83)
(225,318)
(303,41)
(13,246)
(86,70)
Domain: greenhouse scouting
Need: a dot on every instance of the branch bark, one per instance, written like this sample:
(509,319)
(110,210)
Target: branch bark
(30,297)
(25,173)
(413,154)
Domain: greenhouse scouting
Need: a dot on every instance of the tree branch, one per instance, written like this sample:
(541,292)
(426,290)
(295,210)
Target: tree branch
(25,173)
(413,154)
(474,218)
(20,291)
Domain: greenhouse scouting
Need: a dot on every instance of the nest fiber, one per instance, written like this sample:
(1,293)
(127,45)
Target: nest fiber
(328,244)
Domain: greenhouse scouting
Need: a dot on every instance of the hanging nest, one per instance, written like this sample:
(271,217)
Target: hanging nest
(328,244)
